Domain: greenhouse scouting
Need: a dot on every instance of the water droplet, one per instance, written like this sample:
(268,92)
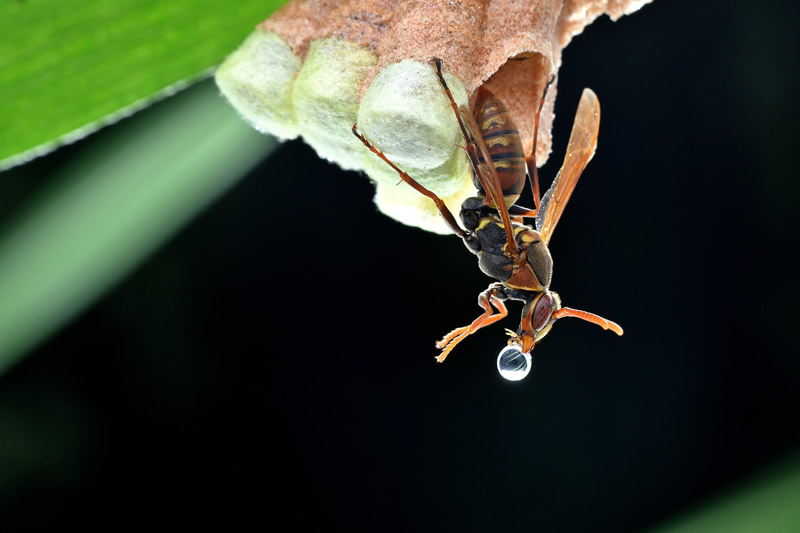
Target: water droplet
(513,364)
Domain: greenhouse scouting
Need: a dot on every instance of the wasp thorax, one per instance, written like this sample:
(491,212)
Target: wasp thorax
(541,262)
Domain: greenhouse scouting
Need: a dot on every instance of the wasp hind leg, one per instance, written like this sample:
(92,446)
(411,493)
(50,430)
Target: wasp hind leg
(491,297)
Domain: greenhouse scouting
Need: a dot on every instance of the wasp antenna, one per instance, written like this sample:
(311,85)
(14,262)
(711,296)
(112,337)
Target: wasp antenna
(588,317)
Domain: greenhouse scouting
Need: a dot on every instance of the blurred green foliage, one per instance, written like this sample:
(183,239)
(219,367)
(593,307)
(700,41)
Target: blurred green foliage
(101,215)
(65,70)
(768,502)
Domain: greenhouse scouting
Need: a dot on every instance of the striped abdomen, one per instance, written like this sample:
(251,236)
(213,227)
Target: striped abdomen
(502,138)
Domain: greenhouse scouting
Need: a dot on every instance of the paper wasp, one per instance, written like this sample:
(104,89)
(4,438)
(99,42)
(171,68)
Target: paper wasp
(513,253)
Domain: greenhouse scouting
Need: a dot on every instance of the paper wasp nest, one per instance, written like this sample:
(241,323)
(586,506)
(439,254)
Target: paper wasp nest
(317,67)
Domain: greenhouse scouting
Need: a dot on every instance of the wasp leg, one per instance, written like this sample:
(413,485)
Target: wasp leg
(486,300)
(440,205)
(533,172)
(520,212)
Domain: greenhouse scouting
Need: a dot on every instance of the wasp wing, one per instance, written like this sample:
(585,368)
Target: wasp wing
(581,147)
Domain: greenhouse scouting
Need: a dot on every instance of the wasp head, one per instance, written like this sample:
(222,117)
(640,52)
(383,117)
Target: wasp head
(537,319)
(539,314)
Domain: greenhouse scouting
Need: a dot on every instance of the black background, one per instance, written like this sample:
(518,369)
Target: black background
(275,360)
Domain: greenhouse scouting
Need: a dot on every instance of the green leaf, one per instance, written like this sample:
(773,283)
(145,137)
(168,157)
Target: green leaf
(68,68)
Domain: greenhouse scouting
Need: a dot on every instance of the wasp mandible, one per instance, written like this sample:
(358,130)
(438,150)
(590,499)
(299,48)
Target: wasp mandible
(509,251)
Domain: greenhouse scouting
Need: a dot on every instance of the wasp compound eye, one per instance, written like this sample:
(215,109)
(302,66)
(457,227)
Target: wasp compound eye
(513,364)
(542,311)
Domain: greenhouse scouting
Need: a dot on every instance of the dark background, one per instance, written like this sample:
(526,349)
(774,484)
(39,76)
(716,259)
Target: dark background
(275,360)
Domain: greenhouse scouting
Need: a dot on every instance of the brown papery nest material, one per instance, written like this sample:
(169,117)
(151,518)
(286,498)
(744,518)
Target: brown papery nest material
(316,68)
(513,46)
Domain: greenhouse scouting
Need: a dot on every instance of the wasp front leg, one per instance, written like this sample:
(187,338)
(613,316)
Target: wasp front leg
(491,297)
